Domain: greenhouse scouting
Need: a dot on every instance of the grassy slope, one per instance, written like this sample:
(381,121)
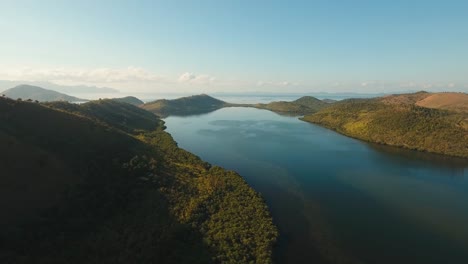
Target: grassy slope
(80,189)
(449,101)
(398,121)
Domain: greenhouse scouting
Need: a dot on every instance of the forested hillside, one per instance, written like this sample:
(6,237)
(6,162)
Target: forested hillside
(78,186)
(129,100)
(191,105)
(399,121)
(302,106)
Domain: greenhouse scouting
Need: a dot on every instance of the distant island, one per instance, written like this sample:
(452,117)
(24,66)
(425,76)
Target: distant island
(432,122)
(302,106)
(129,100)
(203,103)
(30,92)
(191,105)
(102,182)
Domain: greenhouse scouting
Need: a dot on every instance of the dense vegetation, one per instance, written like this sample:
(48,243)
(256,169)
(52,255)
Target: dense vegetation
(26,92)
(302,106)
(398,121)
(196,104)
(77,186)
(120,115)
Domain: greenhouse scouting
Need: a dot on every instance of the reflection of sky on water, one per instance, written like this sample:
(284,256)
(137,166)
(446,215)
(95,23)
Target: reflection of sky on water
(336,196)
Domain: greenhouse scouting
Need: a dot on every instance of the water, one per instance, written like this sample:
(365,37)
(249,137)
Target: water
(337,199)
(238,98)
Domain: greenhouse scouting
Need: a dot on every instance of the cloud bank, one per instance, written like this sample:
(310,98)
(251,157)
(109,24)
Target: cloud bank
(137,79)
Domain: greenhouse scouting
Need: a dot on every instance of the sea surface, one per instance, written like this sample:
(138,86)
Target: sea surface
(336,199)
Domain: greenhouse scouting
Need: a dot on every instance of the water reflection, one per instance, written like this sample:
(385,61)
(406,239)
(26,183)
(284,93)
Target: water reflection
(337,199)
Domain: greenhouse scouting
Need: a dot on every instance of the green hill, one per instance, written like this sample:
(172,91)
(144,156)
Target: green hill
(191,105)
(399,121)
(78,186)
(129,100)
(123,116)
(40,94)
(301,106)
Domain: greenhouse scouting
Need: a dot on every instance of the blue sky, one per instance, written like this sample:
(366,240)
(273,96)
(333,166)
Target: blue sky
(277,46)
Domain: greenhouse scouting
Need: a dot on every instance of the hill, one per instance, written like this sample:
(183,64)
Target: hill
(449,101)
(402,121)
(191,105)
(78,186)
(67,89)
(37,93)
(301,106)
(129,100)
(117,114)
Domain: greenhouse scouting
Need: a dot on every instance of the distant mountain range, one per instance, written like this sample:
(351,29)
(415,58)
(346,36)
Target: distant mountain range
(71,89)
(198,104)
(40,94)
(37,93)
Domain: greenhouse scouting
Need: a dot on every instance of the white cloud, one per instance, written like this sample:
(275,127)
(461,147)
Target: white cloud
(140,79)
(276,84)
(192,78)
(80,75)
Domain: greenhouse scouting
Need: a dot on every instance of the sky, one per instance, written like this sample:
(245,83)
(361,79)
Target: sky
(238,46)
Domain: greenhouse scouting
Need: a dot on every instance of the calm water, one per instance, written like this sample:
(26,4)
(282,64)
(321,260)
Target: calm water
(337,199)
(227,97)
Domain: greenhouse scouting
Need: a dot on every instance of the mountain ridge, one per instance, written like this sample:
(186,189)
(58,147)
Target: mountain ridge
(38,93)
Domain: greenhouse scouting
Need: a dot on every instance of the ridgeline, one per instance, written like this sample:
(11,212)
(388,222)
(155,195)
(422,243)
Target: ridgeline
(29,92)
(302,106)
(200,104)
(191,105)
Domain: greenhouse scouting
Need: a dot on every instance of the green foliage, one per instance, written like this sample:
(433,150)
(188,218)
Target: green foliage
(129,100)
(302,106)
(116,114)
(219,204)
(81,187)
(402,125)
(191,105)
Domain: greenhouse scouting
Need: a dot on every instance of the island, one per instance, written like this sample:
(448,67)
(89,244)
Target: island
(302,106)
(129,100)
(191,105)
(203,103)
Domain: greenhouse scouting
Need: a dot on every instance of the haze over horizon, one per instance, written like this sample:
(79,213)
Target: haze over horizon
(241,46)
